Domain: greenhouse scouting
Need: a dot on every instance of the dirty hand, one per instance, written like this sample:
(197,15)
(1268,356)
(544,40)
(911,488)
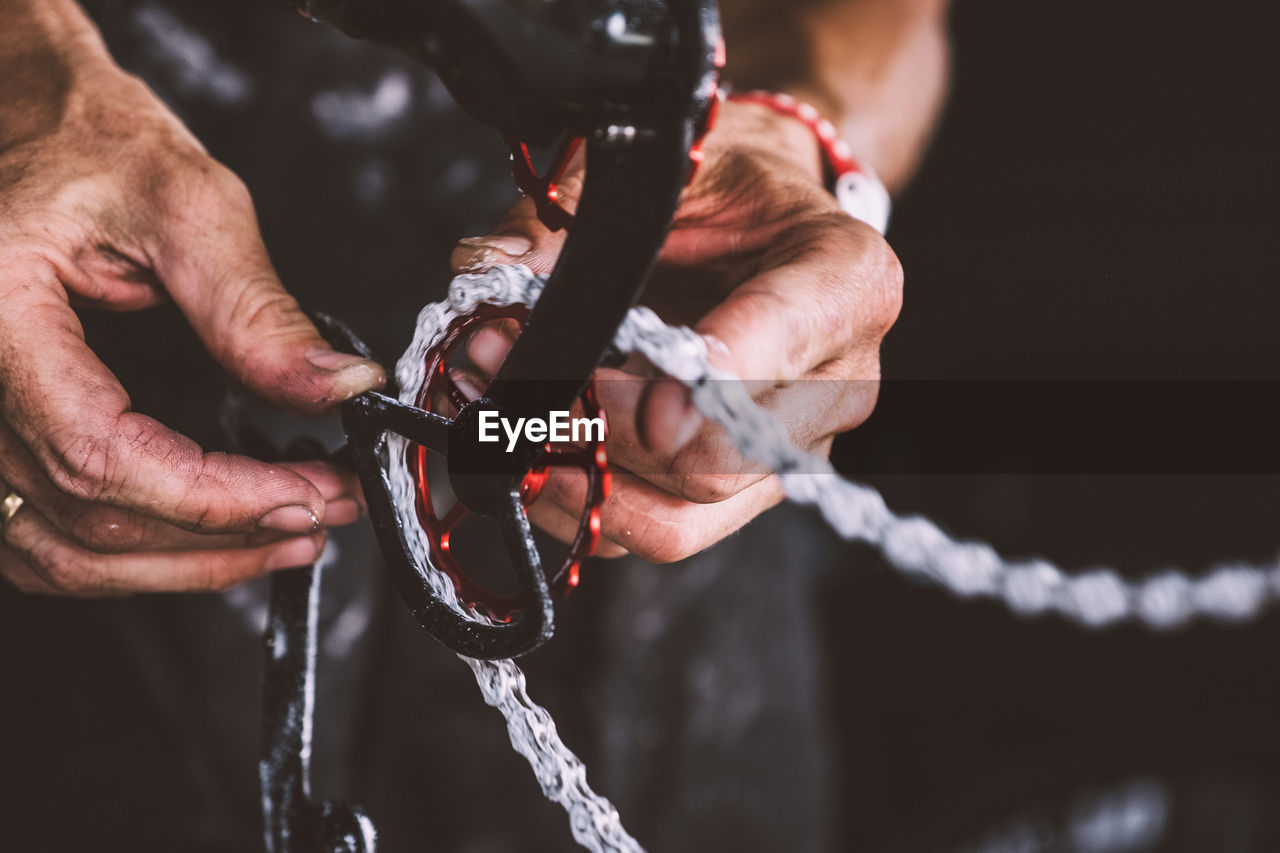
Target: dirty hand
(107,202)
(760,258)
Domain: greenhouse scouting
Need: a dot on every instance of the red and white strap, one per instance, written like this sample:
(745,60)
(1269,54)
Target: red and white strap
(857,189)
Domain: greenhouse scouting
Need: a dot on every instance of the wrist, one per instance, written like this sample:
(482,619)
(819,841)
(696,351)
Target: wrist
(757,126)
(854,184)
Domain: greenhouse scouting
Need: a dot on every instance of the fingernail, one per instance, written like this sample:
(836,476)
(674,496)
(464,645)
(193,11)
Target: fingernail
(326,358)
(513,245)
(670,418)
(290,519)
(352,374)
(293,553)
(687,428)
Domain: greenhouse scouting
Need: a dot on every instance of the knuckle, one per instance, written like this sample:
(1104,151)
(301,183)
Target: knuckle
(707,488)
(80,465)
(231,193)
(230,186)
(260,313)
(857,402)
(201,516)
(263,307)
(62,570)
(206,506)
(890,291)
(25,274)
(882,289)
(200,180)
(65,579)
(862,267)
(709,469)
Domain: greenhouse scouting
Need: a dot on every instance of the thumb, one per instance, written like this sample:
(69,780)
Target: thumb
(219,275)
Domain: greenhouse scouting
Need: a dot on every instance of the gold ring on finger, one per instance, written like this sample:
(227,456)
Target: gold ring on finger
(8,509)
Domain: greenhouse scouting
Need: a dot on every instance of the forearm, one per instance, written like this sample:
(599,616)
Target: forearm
(877,68)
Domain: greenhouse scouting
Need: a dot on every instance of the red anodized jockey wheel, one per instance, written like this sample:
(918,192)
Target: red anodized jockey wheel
(590,458)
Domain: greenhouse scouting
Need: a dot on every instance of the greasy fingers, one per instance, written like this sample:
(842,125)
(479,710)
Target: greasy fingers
(706,466)
(213,263)
(112,529)
(63,568)
(111,203)
(658,526)
(126,208)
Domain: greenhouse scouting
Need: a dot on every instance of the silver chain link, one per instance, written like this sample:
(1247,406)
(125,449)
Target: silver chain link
(593,820)
(1229,592)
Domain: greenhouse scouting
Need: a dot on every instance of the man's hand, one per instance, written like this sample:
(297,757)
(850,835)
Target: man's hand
(108,202)
(760,258)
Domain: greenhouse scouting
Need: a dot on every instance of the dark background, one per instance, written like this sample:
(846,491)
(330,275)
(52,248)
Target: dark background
(1101,203)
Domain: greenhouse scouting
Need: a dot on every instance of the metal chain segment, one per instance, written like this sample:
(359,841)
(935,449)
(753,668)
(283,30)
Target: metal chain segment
(1230,592)
(593,820)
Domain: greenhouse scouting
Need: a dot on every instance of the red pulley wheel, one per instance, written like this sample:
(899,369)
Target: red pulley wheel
(440,384)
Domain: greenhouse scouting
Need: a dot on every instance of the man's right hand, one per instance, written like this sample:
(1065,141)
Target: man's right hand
(108,202)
